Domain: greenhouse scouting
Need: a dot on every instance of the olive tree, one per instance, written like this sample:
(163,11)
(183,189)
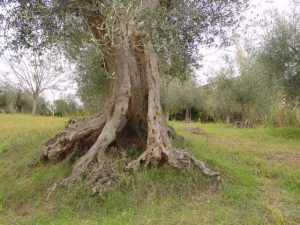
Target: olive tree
(181,96)
(280,53)
(134,39)
(33,74)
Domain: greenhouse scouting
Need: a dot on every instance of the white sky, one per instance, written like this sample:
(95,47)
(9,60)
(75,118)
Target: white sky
(212,57)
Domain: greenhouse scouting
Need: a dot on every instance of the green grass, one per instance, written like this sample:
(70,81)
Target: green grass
(259,167)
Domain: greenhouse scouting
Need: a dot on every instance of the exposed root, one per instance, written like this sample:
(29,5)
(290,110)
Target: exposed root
(65,182)
(184,160)
(77,136)
(97,175)
(101,176)
(175,158)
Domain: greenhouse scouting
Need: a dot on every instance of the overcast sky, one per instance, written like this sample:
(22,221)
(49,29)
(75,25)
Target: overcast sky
(212,57)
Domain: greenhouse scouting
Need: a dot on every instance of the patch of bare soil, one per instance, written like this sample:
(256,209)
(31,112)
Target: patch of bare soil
(282,157)
(195,130)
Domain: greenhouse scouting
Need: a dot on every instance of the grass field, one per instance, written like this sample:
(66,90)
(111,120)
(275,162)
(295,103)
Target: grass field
(260,170)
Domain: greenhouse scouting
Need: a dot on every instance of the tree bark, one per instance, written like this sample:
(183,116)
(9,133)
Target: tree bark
(167,114)
(131,116)
(34,104)
(228,119)
(187,117)
(243,111)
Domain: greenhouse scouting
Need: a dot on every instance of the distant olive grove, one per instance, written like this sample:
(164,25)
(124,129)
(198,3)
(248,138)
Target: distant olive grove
(260,84)
(13,100)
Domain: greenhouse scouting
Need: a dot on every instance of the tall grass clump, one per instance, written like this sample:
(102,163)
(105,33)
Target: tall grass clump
(283,118)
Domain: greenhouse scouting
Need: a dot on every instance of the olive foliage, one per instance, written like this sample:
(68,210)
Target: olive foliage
(176,28)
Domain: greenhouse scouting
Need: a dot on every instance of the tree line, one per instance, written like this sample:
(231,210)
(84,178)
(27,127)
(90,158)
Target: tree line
(260,83)
(13,100)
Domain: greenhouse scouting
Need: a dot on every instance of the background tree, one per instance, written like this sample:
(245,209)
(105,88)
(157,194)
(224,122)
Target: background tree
(92,80)
(280,53)
(13,100)
(66,106)
(33,74)
(181,96)
(242,88)
(6,98)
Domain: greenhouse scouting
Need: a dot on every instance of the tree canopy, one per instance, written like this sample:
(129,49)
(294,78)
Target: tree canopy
(280,53)
(176,28)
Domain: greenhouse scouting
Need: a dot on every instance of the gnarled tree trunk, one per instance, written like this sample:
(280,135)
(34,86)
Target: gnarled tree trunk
(132,115)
